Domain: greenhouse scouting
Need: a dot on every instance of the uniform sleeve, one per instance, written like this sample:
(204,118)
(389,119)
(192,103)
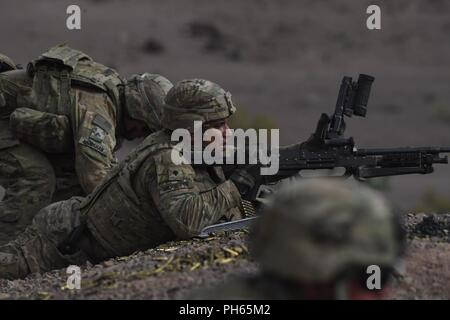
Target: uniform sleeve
(94,149)
(183,207)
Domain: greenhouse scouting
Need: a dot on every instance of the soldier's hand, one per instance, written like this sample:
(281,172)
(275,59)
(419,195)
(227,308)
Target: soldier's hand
(245,179)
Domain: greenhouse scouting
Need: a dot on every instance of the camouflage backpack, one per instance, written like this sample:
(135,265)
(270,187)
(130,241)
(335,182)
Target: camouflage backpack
(54,72)
(39,101)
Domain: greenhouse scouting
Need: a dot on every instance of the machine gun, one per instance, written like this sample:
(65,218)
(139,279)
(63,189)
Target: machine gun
(327,148)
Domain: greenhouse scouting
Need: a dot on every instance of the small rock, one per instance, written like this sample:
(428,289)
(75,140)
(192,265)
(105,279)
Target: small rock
(108,263)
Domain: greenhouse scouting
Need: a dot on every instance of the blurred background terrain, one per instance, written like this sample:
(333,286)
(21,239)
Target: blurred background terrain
(282,60)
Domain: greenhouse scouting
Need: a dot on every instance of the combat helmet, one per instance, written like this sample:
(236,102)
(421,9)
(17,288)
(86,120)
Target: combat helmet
(144,98)
(315,231)
(6,64)
(195,100)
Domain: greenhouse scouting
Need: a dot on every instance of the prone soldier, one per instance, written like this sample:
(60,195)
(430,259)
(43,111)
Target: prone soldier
(62,120)
(26,175)
(146,200)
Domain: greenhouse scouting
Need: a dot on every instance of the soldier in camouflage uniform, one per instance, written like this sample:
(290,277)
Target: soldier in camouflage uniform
(20,178)
(69,114)
(145,201)
(315,240)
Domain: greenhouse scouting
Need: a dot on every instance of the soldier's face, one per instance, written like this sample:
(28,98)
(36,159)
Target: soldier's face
(221,126)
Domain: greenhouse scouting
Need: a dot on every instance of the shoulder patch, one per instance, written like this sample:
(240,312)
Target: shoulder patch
(102,123)
(97,134)
(95,145)
(173,177)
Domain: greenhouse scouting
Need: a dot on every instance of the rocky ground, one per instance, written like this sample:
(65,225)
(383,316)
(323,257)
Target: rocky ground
(426,270)
(172,270)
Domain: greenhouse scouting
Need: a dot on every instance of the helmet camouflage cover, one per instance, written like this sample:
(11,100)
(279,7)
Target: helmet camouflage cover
(316,230)
(144,96)
(196,100)
(6,63)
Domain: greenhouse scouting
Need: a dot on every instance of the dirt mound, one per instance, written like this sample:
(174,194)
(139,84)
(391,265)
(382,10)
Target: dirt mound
(425,272)
(429,225)
(173,270)
(161,273)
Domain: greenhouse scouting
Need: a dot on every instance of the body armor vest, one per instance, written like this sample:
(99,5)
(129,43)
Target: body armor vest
(115,214)
(123,220)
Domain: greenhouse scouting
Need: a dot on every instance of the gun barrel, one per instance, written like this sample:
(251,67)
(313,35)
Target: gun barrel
(384,151)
